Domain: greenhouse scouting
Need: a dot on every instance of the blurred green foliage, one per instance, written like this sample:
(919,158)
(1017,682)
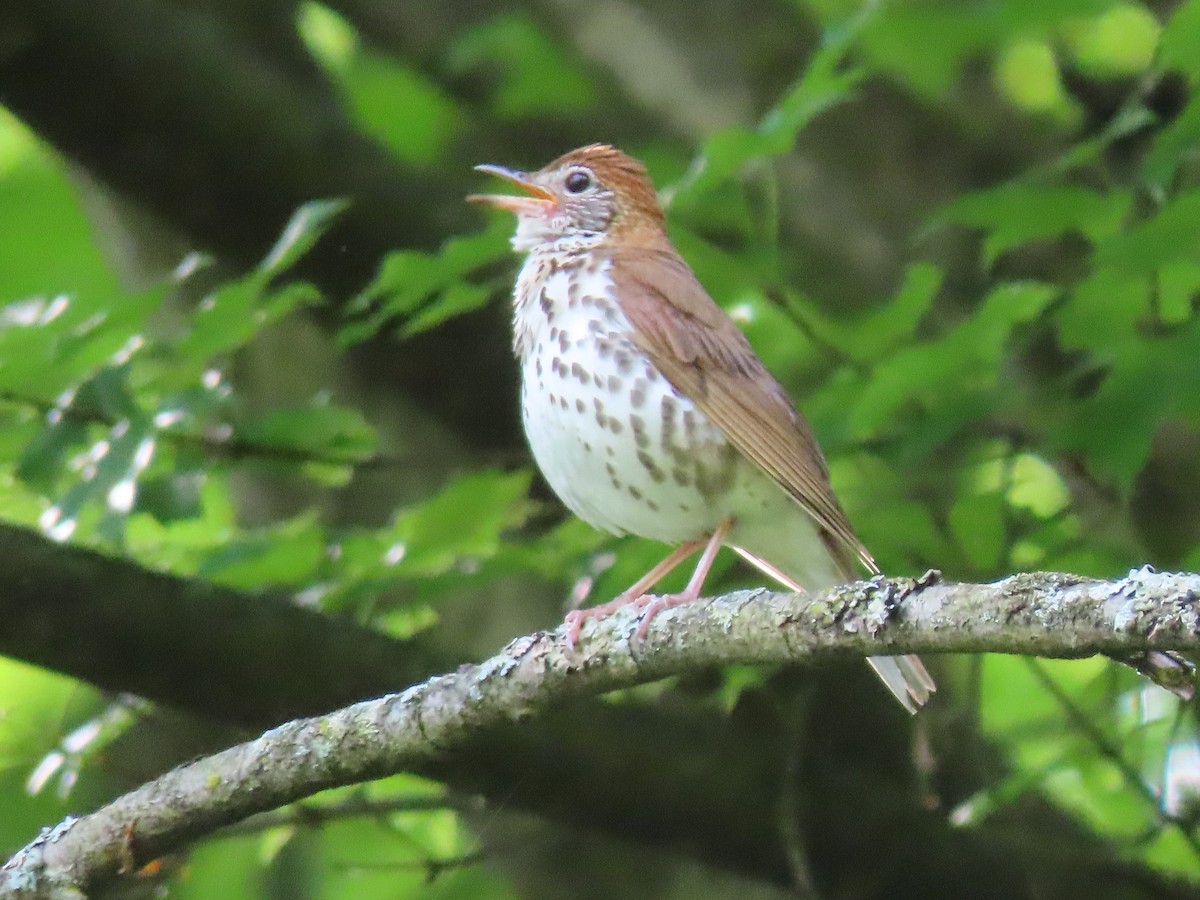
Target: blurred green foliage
(123,429)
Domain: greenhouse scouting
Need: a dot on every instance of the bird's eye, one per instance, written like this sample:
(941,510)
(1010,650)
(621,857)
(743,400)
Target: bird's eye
(577,181)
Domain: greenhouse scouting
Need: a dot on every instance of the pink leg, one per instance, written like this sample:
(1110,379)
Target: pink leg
(694,585)
(635,594)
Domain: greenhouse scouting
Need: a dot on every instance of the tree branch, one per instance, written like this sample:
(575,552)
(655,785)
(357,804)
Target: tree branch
(185,642)
(1039,614)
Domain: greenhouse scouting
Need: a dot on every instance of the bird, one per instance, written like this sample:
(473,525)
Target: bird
(647,410)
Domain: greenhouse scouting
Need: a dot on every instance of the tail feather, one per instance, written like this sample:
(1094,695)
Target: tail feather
(905,676)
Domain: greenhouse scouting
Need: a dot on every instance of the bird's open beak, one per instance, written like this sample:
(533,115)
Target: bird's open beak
(538,201)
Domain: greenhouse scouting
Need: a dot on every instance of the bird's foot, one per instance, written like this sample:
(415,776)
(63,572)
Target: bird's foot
(576,617)
(656,603)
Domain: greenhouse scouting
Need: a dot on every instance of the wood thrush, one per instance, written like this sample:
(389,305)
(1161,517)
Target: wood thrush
(646,408)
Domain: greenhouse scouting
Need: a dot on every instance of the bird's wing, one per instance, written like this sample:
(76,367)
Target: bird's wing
(706,358)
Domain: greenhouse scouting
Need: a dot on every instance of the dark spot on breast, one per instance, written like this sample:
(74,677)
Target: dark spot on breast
(612,475)
(638,424)
(555,332)
(597,380)
(614,383)
(580,406)
(604,349)
(578,371)
(657,475)
(615,425)
(669,409)
(562,402)
(601,418)
(653,506)
(637,394)
(689,426)
(547,305)
(537,365)
(714,480)
(680,476)
(624,361)
(563,342)
(635,493)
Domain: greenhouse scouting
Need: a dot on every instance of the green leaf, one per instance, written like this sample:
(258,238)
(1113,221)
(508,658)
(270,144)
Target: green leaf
(49,345)
(458,298)
(1101,314)
(303,229)
(1179,47)
(320,429)
(1120,41)
(1177,143)
(1170,236)
(1036,485)
(947,36)
(869,337)
(827,81)
(1178,288)
(426,289)
(1015,213)
(529,74)
(1149,381)
(977,522)
(287,553)
(936,374)
(107,476)
(376,87)
(230,317)
(463,520)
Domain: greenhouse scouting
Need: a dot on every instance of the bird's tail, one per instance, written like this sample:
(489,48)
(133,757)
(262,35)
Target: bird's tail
(905,676)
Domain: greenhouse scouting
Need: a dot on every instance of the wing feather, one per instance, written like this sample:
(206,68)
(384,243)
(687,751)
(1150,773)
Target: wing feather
(704,355)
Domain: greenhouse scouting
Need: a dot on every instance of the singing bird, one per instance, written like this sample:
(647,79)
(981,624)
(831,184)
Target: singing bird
(645,406)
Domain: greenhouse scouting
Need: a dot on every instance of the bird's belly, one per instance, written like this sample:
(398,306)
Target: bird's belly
(621,448)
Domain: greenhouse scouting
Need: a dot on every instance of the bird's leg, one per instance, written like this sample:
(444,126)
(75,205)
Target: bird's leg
(636,593)
(694,585)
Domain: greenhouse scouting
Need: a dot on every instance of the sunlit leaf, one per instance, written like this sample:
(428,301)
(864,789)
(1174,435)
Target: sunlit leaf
(287,554)
(304,229)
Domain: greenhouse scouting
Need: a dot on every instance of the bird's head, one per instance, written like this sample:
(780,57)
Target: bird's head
(593,193)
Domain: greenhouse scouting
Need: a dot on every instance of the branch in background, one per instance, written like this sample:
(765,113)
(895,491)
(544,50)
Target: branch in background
(187,643)
(1036,614)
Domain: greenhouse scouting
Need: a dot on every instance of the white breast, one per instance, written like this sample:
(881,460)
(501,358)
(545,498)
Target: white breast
(623,449)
